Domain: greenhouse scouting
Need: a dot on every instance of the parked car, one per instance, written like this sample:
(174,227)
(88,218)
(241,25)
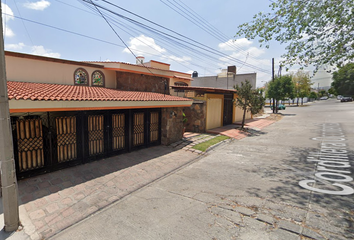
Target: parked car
(324,98)
(280,107)
(346,99)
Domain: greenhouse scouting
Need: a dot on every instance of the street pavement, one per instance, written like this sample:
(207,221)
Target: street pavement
(52,202)
(247,189)
(242,189)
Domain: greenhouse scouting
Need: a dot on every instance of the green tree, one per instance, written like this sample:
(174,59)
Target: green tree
(316,32)
(281,88)
(313,95)
(343,80)
(332,91)
(302,84)
(248,99)
(322,93)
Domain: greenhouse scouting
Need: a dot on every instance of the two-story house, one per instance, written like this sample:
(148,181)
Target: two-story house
(66,112)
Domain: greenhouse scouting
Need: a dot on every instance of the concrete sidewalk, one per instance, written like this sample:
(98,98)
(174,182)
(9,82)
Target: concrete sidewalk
(251,126)
(52,202)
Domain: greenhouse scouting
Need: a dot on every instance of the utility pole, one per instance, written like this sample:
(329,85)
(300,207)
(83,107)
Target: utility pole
(7,162)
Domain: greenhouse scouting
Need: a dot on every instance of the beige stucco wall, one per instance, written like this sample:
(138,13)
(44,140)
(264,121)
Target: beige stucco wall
(125,67)
(238,114)
(172,83)
(156,64)
(41,71)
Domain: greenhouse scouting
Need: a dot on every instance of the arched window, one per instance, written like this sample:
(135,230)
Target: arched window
(98,79)
(81,77)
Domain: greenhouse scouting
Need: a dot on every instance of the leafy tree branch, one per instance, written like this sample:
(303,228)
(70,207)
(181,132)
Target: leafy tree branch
(316,32)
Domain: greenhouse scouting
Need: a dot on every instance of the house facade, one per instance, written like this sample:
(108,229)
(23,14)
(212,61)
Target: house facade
(224,80)
(211,108)
(65,113)
(214,98)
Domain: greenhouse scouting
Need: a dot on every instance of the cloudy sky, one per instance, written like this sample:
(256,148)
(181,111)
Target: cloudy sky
(192,36)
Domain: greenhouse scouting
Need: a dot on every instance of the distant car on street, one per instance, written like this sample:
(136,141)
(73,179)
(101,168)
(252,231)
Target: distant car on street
(280,107)
(324,98)
(346,99)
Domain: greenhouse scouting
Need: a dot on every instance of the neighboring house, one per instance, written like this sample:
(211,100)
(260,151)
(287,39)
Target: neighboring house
(214,98)
(224,80)
(65,113)
(152,76)
(211,108)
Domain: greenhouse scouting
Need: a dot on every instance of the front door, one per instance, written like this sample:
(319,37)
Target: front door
(228,105)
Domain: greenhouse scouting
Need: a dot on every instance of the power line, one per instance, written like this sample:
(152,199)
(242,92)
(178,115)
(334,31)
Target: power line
(194,15)
(155,31)
(23,23)
(64,30)
(81,35)
(192,42)
(113,29)
(130,28)
(164,81)
(121,26)
(167,38)
(178,34)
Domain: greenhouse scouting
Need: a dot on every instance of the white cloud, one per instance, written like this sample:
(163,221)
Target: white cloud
(148,48)
(233,45)
(18,46)
(8,14)
(39,5)
(255,52)
(145,46)
(41,51)
(8,32)
(180,59)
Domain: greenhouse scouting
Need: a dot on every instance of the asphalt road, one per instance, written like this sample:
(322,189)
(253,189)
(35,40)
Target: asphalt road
(250,189)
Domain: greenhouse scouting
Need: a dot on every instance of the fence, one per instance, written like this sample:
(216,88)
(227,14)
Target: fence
(45,142)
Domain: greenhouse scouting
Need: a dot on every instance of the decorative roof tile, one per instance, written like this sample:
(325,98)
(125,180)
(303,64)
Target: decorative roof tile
(59,92)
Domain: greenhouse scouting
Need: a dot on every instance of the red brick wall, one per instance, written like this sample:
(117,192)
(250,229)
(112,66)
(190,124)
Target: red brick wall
(140,82)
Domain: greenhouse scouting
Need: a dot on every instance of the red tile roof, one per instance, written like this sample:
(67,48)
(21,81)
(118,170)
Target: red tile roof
(205,89)
(59,92)
(185,78)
